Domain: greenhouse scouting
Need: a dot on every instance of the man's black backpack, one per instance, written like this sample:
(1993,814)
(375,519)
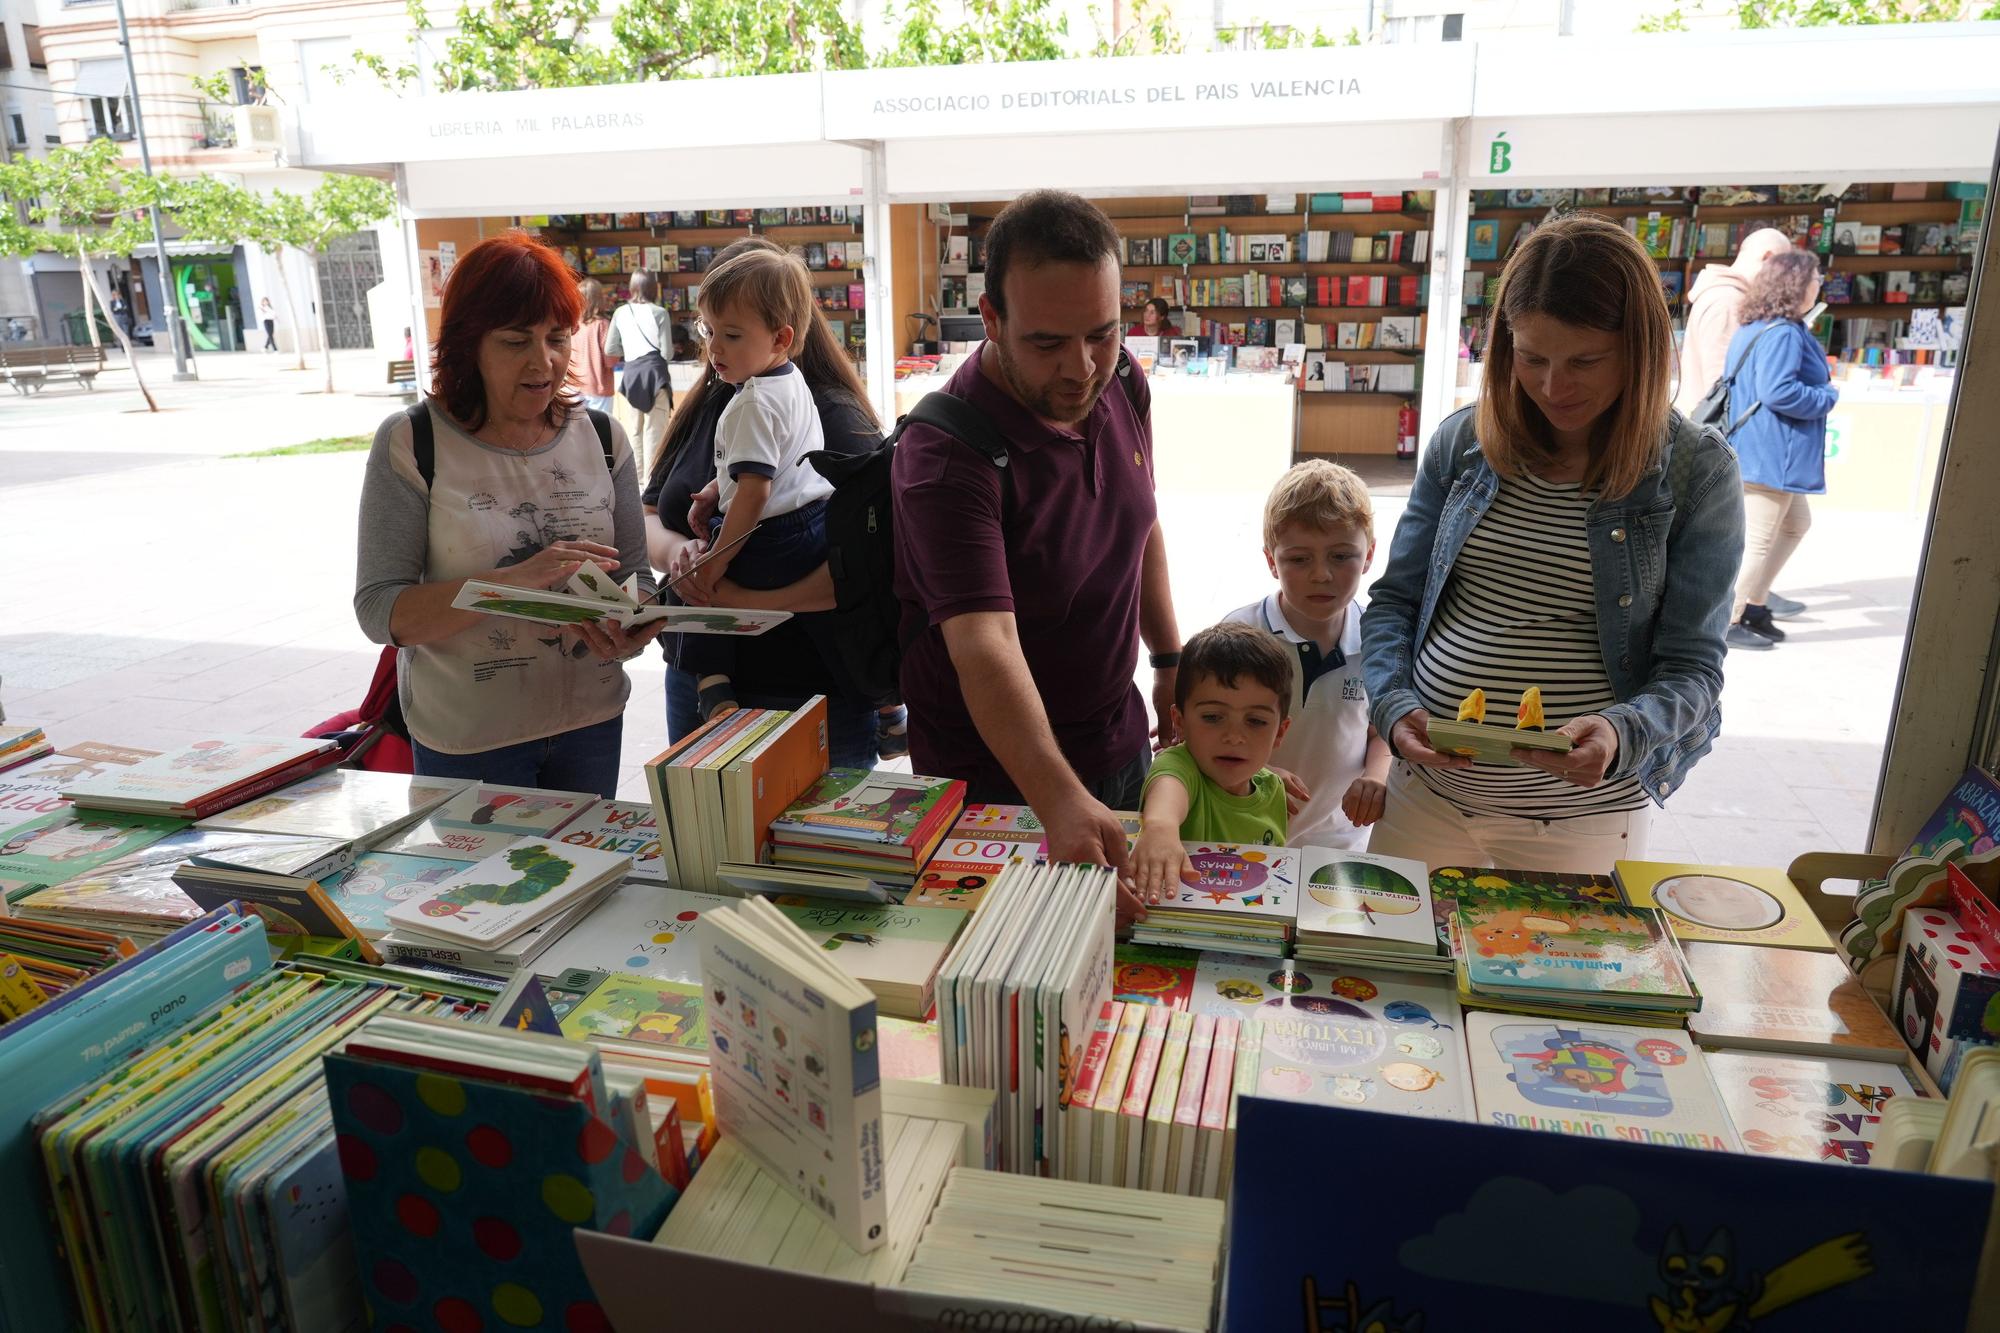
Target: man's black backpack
(863,634)
(1715,409)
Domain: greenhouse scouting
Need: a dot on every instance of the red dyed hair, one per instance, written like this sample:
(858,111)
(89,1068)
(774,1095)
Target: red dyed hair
(508,281)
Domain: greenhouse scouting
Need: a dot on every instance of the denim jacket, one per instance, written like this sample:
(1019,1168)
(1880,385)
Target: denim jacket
(1664,560)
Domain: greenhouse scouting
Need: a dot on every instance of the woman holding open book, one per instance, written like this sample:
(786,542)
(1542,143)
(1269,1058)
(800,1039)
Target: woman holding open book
(501,475)
(1572,533)
(781,668)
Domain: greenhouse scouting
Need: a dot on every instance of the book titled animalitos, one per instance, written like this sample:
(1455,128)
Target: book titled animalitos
(1514,948)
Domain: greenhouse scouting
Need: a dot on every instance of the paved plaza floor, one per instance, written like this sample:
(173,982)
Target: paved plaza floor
(153,588)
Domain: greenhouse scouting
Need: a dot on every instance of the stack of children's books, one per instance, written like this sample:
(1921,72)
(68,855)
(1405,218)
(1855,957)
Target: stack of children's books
(1016,997)
(876,823)
(1542,954)
(205,776)
(53,958)
(21,745)
(484,818)
(497,914)
(1152,1098)
(353,806)
(297,913)
(136,896)
(69,842)
(1244,898)
(894,951)
(980,845)
(1088,1251)
(1368,911)
(717,789)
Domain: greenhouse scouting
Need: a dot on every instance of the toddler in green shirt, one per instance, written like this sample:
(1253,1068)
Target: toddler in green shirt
(1232,703)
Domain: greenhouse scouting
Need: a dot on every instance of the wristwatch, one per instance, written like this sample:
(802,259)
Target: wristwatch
(1163,661)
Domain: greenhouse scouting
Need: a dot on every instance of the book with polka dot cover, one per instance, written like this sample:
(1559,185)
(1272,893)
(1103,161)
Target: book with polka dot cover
(464,1194)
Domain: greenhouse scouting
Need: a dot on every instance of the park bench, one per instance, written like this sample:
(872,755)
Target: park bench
(28,368)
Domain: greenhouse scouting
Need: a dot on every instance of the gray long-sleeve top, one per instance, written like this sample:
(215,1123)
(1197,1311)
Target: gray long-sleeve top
(502,681)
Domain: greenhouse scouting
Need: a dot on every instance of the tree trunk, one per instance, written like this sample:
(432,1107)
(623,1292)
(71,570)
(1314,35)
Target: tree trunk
(291,310)
(319,307)
(90,293)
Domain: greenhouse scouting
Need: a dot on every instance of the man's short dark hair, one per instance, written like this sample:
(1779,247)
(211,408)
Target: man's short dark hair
(1227,652)
(1045,227)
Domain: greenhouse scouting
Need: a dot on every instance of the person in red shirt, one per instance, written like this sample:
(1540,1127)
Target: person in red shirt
(1153,322)
(1026,592)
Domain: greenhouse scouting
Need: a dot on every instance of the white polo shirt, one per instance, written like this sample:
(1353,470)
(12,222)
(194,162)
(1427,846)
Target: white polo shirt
(1327,745)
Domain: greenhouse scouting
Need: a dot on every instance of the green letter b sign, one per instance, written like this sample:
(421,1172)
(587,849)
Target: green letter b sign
(1501,155)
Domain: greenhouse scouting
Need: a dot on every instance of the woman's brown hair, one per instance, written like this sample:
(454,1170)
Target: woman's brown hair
(509,281)
(1779,290)
(592,292)
(820,358)
(1588,272)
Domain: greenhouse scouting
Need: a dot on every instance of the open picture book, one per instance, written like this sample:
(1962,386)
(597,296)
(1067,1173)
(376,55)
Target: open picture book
(593,596)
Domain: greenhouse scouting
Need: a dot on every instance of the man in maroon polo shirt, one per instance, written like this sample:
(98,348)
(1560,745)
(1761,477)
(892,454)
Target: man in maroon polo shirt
(1027,593)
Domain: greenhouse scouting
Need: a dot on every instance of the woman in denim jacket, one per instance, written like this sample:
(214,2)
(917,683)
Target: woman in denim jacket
(1570,532)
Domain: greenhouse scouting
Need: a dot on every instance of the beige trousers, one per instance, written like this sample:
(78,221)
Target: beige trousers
(1773,523)
(647,432)
(1420,824)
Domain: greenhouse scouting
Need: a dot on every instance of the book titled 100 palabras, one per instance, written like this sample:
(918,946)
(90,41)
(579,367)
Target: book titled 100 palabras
(593,597)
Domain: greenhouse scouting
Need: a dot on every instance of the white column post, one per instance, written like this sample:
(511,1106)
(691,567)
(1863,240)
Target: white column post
(1447,306)
(877,276)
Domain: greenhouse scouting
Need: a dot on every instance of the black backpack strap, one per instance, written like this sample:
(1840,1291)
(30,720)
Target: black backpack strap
(601,423)
(1728,375)
(423,441)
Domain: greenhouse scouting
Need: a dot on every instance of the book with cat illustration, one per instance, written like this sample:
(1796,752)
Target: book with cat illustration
(1569,958)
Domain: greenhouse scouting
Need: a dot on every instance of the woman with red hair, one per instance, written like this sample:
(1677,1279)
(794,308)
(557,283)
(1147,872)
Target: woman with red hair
(502,475)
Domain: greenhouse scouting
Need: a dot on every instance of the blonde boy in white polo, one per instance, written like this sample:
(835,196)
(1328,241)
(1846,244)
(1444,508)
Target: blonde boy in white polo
(1319,539)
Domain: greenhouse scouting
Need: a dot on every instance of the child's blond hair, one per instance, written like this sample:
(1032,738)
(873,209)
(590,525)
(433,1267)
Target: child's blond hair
(1318,494)
(773,286)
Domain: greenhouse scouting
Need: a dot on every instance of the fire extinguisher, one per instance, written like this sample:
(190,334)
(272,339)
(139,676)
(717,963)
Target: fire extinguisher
(1406,431)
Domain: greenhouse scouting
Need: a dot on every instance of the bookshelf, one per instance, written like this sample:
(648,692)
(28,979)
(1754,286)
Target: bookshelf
(1869,295)
(819,235)
(1217,286)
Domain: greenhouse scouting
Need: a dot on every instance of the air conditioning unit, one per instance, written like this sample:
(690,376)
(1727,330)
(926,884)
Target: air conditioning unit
(260,128)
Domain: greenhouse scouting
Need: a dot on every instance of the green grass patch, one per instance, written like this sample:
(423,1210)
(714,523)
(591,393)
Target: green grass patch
(332,444)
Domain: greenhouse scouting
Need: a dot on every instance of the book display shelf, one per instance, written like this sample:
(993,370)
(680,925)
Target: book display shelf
(1887,250)
(1344,274)
(681,246)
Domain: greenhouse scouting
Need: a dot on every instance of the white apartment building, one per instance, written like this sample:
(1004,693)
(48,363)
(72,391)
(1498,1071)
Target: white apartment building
(267,50)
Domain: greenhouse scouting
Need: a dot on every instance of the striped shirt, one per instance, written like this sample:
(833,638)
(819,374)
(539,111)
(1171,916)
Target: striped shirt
(1521,610)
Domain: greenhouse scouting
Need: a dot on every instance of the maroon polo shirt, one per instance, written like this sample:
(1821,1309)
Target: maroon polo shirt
(1066,561)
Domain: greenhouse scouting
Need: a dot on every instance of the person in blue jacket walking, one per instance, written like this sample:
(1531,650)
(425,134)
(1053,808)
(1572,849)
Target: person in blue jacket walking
(1782,397)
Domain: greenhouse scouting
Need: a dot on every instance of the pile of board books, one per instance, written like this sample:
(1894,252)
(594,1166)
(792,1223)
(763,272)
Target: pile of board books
(1369,911)
(495,902)
(894,951)
(204,777)
(871,822)
(1586,961)
(1017,994)
(1244,898)
(717,789)
(1086,1250)
(22,744)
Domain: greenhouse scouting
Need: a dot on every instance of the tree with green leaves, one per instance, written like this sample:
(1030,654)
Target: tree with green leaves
(1829,13)
(340,205)
(85,201)
(220,212)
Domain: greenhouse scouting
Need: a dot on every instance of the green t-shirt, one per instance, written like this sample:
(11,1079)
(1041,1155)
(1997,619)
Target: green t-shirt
(1216,816)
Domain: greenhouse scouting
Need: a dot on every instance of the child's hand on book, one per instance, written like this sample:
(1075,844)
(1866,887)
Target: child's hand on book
(1159,864)
(1296,791)
(1364,802)
(1411,740)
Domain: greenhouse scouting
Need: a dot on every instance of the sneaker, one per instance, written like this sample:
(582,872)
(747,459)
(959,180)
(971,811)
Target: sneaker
(1757,619)
(1740,637)
(892,733)
(1782,608)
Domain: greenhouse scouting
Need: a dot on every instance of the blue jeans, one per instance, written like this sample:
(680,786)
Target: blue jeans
(783,550)
(582,760)
(850,723)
